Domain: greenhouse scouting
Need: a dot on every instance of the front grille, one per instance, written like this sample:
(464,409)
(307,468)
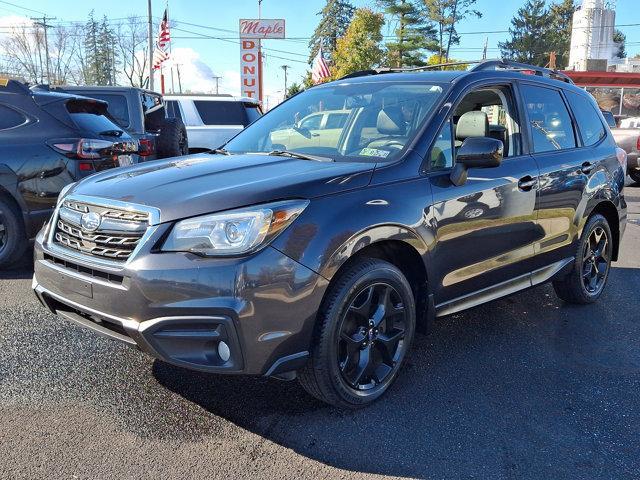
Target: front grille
(118,233)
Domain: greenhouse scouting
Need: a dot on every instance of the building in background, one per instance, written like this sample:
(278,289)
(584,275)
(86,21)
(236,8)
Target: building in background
(592,45)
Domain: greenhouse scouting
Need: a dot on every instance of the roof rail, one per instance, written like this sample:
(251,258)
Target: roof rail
(9,85)
(479,65)
(501,64)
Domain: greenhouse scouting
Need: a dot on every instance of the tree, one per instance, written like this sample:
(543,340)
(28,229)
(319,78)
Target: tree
(414,34)
(359,49)
(437,59)
(132,46)
(529,35)
(293,89)
(559,30)
(446,14)
(336,16)
(98,60)
(620,39)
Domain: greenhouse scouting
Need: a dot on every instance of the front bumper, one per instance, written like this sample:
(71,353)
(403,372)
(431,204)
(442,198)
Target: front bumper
(180,307)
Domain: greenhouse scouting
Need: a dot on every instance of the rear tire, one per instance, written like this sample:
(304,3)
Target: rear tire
(172,141)
(364,330)
(12,237)
(635,176)
(592,264)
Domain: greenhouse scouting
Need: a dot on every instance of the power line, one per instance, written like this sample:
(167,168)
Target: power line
(24,8)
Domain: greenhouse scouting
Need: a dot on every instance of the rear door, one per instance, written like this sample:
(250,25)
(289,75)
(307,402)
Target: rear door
(566,159)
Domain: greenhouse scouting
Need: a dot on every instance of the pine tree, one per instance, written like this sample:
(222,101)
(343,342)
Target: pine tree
(335,18)
(91,50)
(359,48)
(620,39)
(446,15)
(529,42)
(414,34)
(107,54)
(559,34)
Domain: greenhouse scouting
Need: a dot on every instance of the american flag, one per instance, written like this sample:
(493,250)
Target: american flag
(320,69)
(160,54)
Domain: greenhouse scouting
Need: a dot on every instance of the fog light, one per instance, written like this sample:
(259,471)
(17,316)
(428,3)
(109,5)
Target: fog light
(223,351)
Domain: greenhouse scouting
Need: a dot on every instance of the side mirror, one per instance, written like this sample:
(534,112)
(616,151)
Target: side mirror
(476,152)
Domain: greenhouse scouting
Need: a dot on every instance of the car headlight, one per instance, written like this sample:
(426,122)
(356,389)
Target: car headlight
(65,190)
(234,232)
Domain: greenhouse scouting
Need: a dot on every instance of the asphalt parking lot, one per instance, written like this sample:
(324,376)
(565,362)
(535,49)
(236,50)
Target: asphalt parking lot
(525,387)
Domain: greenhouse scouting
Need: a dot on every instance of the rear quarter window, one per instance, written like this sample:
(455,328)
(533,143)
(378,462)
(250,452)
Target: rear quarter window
(10,118)
(591,128)
(214,112)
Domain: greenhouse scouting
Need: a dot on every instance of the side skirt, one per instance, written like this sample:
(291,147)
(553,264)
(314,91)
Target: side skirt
(494,292)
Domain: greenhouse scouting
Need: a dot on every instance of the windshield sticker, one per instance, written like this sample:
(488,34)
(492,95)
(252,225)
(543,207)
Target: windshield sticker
(374,152)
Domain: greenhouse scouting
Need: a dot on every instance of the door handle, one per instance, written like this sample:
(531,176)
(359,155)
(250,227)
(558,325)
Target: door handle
(527,183)
(587,167)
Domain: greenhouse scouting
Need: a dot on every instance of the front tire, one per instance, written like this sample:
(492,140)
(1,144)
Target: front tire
(592,264)
(365,327)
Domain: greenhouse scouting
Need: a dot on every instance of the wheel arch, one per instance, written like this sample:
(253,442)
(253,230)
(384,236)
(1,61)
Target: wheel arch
(408,259)
(609,211)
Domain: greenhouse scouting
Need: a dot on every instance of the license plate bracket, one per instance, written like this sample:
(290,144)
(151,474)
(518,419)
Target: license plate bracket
(69,284)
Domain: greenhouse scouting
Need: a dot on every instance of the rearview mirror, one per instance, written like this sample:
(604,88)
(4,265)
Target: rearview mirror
(476,152)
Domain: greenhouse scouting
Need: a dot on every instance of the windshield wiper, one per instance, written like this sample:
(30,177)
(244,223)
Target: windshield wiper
(219,151)
(112,133)
(302,156)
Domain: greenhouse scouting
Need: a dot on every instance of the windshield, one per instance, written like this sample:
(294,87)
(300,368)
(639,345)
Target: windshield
(370,121)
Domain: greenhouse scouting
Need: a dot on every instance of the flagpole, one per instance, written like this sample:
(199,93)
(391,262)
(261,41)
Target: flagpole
(150,45)
(170,43)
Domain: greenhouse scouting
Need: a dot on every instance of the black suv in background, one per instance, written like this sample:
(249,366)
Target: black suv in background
(47,141)
(295,253)
(142,113)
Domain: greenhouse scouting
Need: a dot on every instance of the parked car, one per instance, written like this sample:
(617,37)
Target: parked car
(211,120)
(142,114)
(629,140)
(322,261)
(320,128)
(48,140)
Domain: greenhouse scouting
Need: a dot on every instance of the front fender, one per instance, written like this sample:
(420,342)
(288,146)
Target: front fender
(332,229)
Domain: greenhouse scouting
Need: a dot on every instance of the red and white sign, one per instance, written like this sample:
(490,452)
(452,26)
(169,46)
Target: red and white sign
(262,28)
(249,71)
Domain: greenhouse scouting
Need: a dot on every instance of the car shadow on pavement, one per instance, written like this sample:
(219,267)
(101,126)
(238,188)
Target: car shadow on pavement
(526,386)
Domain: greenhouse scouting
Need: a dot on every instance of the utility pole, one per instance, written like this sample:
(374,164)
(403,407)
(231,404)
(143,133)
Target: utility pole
(216,78)
(285,68)
(42,22)
(150,45)
(486,47)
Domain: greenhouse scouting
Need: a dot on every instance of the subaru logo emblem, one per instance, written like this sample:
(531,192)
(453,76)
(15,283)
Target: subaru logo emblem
(90,221)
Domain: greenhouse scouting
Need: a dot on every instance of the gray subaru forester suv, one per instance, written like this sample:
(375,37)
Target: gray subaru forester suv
(317,251)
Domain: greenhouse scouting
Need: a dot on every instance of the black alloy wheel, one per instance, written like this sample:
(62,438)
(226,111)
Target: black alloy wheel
(592,262)
(372,335)
(595,261)
(364,331)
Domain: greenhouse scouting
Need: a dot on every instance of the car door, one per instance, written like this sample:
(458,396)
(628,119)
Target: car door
(565,168)
(486,228)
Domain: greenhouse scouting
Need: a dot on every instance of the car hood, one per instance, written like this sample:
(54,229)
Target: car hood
(198,184)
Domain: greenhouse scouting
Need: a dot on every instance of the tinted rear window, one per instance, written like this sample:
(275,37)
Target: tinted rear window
(173,109)
(89,117)
(611,120)
(118,107)
(221,112)
(10,118)
(253,112)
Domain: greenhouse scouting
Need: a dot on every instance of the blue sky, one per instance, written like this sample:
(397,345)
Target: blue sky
(222,56)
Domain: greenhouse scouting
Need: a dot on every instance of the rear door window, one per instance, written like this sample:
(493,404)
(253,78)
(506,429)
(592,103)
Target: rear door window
(10,118)
(117,108)
(221,112)
(549,120)
(591,128)
(336,120)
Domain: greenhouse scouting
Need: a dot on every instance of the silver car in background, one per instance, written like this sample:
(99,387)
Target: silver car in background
(627,139)
(212,120)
